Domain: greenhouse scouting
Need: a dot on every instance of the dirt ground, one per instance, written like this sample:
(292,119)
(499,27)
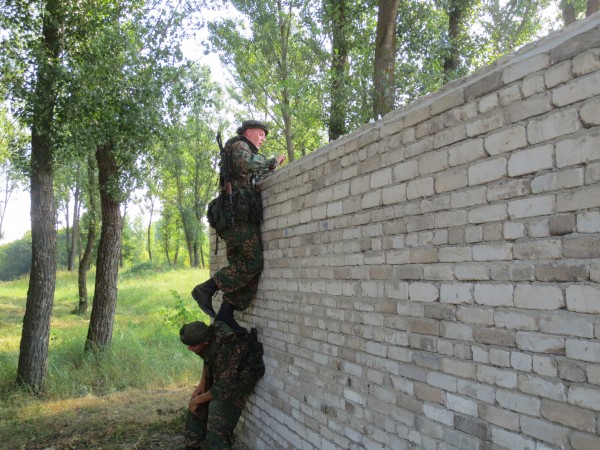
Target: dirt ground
(126,420)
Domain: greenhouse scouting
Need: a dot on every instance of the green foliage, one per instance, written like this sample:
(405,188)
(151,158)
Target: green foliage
(146,352)
(15,258)
(179,313)
(278,67)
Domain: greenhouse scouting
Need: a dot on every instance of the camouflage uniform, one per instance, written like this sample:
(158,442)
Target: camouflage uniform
(234,365)
(239,280)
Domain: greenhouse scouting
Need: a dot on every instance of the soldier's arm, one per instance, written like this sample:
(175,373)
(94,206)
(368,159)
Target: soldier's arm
(198,400)
(244,161)
(202,385)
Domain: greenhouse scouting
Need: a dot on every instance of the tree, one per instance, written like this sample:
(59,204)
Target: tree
(127,49)
(278,67)
(190,153)
(37,92)
(92,225)
(384,82)
(13,143)
(573,10)
(336,13)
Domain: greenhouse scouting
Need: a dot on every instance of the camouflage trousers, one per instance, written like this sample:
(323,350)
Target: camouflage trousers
(211,427)
(239,279)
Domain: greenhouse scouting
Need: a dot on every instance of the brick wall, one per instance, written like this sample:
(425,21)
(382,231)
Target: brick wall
(433,279)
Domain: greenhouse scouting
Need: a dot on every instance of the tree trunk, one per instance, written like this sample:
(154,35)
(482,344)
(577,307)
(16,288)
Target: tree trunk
(339,69)
(107,264)
(33,354)
(452,59)
(592,7)
(75,229)
(150,231)
(67,230)
(84,263)
(567,9)
(385,57)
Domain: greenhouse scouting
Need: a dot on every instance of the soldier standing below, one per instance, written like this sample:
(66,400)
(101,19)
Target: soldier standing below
(233,365)
(240,203)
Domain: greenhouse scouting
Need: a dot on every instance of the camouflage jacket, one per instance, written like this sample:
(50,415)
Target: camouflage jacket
(245,161)
(234,363)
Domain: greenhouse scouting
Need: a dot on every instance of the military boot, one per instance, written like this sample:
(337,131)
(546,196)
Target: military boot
(203,294)
(226,315)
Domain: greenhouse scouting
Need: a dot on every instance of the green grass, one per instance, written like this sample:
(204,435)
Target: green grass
(146,361)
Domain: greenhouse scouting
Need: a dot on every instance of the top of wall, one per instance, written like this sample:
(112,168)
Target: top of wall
(556,47)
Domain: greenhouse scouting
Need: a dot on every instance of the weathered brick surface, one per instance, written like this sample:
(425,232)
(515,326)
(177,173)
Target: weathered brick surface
(433,279)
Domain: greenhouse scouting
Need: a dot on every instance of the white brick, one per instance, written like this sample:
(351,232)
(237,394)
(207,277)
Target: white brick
(381,178)
(499,357)
(583,299)
(488,102)
(513,230)
(506,140)
(484,124)
(531,160)
(518,402)
(423,292)
(532,85)
(553,125)
(540,343)
(394,194)
(420,188)
(454,254)
(558,74)
(487,171)
(558,180)
(579,89)
(521,361)
(439,414)
(515,320)
(510,95)
(512,441)
(525,67)
(461,404)
(494,294)
(406,171)
(583,350)
(500,377)
(488,213)
(532,296)
(471,272)
(433,162)
(586,62)
(580,150)
(588,222)
(542,387)
(578,199)
(466,152)
(590,113)
(456,293)
(585,397)
(532,207)
(492,252)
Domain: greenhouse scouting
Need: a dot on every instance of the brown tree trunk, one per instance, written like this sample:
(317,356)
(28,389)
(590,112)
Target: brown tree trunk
(339,68)
(84,263)
(150,231)
(75,229)
(107,264)
(385,58)
(33,353)
(592,7)
(451,60)
(567,9)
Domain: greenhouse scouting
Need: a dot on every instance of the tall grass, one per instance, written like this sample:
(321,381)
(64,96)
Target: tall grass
(145,353)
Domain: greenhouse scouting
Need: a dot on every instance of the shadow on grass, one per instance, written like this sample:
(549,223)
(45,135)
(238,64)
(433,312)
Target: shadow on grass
(134,419)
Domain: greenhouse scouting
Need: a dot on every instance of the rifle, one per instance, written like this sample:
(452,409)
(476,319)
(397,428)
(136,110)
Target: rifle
(225,177)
